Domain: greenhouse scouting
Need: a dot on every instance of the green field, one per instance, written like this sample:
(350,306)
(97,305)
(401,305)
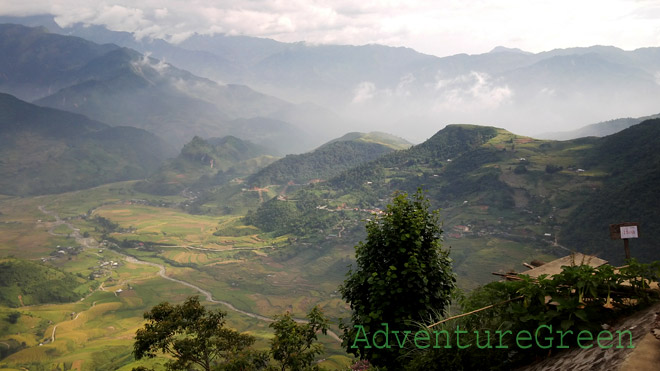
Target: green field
(95,333)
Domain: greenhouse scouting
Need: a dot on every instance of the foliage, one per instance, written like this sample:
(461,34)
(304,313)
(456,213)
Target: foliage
(105,225)
(205,163)
(35,283)
(13,317)
(298,217)
(402,274)
(580,298)
(294,345)
(323,163)
(630,193)
(551,169)
(192,335)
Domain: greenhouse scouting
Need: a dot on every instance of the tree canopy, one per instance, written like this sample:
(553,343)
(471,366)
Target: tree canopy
(294,345)
(191,334)
(402,276)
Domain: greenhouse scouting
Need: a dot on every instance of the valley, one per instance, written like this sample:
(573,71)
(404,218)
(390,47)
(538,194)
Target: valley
(243,170)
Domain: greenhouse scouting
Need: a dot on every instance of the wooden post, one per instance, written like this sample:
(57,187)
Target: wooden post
(624,231)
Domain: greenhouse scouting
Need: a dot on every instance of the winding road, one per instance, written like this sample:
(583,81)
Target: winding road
(93,244)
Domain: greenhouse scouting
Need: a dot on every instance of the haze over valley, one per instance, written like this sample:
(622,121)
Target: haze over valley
(143,162)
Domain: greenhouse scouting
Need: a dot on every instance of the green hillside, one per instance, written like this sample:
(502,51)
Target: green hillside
(23,282)
(385,139)
(45,150)
(328,160)
(500,194)
(207,163)
(630,193)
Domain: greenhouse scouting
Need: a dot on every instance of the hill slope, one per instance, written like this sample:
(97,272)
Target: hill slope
(43,150)
(207,163)
(501,194)
(328,160)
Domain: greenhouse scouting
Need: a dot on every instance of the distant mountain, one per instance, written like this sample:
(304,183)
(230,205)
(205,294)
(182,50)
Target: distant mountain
(44,150)
(600,129)
(503,49)
(385,139)
(399,90)
(207,163)
(328,160)
(123,87)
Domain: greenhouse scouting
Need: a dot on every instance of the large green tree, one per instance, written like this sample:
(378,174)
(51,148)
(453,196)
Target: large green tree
(194,336)
(402,276)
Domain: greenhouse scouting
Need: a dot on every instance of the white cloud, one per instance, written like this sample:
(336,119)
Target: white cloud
(473,91)
(364,92)
(438,27)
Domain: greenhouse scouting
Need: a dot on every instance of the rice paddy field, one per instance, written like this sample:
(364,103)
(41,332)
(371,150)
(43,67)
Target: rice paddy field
(96,332)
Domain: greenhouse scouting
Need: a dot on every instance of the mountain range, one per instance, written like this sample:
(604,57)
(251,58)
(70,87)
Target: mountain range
(120,86)
(384,88)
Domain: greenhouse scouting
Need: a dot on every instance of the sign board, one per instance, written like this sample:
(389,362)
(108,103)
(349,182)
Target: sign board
(623,231)
(629,232)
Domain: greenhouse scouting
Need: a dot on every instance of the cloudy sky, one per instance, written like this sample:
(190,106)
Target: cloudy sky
(439,27)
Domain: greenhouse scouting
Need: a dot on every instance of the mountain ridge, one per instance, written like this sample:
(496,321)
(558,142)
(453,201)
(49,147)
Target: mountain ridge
(45,150)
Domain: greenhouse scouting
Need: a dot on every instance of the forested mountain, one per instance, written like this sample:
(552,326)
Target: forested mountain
(491,183)
(44,150)
(123,87)
(205,163)
(328,160)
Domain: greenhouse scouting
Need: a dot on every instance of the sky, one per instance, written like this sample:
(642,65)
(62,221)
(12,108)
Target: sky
(437,27)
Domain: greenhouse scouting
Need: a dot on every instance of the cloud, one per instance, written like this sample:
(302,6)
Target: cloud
(473,91)
(364,92)
(439,27)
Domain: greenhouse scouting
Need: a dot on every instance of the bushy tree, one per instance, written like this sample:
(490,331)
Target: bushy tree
(402,276)
(294,345)
(195,337)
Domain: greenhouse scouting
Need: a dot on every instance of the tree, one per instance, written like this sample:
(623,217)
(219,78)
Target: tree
(193,336)
(402,276)
(294,344)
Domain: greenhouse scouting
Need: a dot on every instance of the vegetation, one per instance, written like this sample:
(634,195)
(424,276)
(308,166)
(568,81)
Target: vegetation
(323,163)
(196,337)
(50,151)
(206,163)
(23,282)
(576,301)
(294,344)
(493,219)
(629,194)
(192,335)
(301,216)
(402,275)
